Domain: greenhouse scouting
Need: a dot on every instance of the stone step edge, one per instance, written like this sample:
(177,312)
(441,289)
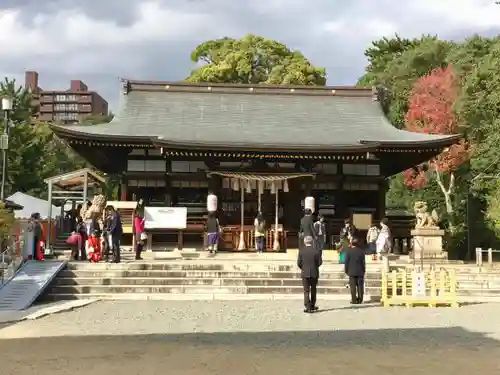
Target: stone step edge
(199,297)
(206,287)
(368,279)
(119,268)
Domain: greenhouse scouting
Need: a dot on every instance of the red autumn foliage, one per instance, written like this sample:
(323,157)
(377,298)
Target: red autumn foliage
(431,111)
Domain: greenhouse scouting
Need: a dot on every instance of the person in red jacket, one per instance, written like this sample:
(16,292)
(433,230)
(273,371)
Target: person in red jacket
(138,222)
(94,248)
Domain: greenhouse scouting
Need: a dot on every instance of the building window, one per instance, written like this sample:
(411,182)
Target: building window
(155,165)
(137,165)
(324,186)
(326,168)
(361,169)
(188,166)
(146,183)
(230,164)
(65,98)
(138,151)
(189,184)
(134,165)
(65,116)
(355,186)
(66,107)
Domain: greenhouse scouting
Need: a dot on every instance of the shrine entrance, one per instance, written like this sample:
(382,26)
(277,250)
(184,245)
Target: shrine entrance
(268,193)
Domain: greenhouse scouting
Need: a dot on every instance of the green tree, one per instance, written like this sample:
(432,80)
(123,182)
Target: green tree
(34,152)
(253,59)
(479,107)
(380,54)
(396,64)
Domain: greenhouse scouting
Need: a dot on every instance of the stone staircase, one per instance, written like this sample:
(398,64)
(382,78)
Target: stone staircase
(60,245)
(478,282)
(208,279)
(236,276)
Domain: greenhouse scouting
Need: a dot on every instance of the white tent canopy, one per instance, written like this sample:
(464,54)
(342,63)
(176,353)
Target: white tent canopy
(31,205)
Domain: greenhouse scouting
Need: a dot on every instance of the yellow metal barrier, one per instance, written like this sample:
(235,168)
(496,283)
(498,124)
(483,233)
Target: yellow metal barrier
(412,288)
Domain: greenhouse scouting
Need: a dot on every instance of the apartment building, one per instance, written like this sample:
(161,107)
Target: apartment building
(68,106)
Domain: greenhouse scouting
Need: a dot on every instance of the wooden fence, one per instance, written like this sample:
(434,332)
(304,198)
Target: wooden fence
(412,288)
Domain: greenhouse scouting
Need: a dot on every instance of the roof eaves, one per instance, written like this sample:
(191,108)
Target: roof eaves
(372,146)
(68,133)
(439,142)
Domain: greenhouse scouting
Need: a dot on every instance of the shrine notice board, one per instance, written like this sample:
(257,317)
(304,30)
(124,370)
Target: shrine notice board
(165,218)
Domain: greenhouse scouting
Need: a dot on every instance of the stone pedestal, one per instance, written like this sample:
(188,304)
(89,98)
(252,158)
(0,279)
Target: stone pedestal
(428,243)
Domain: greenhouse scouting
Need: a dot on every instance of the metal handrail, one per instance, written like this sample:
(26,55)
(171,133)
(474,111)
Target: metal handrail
(3,255)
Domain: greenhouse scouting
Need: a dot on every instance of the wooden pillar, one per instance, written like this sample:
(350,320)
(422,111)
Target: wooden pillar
(309,182)
(123,190)
(341,205)
(168,184)
(382,192)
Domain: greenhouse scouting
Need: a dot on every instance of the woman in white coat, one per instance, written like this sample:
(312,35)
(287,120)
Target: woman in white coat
(383,243)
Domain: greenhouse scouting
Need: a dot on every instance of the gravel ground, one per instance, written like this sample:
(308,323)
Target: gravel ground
(257,337)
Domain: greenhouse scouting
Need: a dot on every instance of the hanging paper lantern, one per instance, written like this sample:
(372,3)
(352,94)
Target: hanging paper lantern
(236,184)
(309,203)
(249,187)
(286,189)
(211,203)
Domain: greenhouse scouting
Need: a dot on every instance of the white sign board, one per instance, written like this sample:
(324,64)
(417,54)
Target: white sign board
(165,217)
(418,284)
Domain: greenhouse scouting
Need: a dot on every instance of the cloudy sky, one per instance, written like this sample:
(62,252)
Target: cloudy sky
(99,41)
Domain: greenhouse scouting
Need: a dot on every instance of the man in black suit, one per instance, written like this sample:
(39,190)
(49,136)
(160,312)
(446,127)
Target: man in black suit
(309,261)
(307,225)
(115,232)
(355,268)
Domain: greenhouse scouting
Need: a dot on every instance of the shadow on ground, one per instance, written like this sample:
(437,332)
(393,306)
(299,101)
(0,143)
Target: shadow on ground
(414,351)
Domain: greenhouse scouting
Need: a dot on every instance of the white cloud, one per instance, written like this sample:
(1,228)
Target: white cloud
(69,30)
(99,44)
(465,14)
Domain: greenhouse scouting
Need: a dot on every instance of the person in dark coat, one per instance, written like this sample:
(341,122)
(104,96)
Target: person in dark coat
(320,229)
(115,231)
(213,232)
(82,231)
(307,225)
(355,268)
(309,260)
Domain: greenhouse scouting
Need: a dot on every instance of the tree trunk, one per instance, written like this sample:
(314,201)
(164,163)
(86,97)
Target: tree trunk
(447,196)
(447,192)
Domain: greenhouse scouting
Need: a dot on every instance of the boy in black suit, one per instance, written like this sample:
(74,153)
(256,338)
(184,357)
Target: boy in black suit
(309,261)
(355,268)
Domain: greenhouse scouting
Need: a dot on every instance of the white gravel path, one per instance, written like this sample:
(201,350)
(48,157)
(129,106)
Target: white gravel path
(161,317)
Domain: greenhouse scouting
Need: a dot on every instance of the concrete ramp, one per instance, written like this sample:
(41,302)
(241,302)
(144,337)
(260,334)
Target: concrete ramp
(28,283)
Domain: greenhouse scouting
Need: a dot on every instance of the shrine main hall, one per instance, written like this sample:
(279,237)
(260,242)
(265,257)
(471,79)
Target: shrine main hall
(255,147)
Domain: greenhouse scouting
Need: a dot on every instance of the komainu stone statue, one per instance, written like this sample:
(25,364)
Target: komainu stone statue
(424,219)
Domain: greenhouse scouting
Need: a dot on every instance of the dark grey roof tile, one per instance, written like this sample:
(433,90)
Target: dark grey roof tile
(323,121)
